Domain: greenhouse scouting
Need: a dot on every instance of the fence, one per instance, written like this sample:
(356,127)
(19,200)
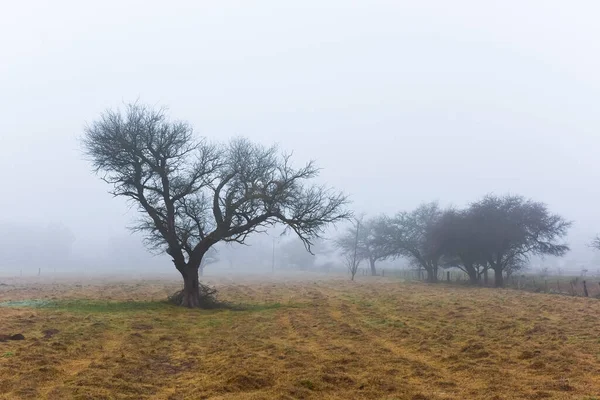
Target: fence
(416,275)
(565,285)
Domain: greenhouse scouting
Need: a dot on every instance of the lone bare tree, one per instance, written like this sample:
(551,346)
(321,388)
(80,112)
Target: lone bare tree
(193,194)
(351,254)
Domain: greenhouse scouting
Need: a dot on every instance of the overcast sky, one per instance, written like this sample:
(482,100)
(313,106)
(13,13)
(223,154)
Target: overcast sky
(399,101)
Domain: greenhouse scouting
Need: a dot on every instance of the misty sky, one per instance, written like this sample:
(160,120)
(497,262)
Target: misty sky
(399,101)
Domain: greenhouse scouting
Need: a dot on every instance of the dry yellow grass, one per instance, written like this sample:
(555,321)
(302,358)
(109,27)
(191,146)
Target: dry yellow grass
(321,339)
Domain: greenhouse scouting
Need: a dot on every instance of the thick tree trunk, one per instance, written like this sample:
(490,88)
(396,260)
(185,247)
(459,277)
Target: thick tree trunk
(473,277)
(191,287)
(472,272)
(499,277)
(373,269)
(432,274)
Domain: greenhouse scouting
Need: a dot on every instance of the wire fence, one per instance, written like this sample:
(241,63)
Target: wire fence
(564,285)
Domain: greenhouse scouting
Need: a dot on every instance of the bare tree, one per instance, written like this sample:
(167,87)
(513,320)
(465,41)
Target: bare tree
(193,194)
(351,254)
(408,234)
(595,243)
(509,229)
(367,246)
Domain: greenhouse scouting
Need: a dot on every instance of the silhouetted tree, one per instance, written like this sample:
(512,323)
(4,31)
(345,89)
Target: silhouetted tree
(367,245)
(408,234)
(509,229)
(596,243)
(193,194)
(454,235)
(351,255)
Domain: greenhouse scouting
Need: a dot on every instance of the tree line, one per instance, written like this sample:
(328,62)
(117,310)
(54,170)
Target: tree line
(496,233)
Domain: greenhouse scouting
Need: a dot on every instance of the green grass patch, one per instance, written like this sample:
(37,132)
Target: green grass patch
(105,306)
(99,306)
(30,303)
(90,306)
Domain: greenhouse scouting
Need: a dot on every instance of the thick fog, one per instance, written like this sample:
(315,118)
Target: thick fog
(399,101)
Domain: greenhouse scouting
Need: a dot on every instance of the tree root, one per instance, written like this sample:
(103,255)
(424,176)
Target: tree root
(208,297)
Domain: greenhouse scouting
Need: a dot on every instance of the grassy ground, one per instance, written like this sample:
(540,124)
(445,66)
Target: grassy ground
(330,339)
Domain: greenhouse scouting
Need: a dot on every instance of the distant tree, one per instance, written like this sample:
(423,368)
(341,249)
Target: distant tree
(408,234)
(294,255)
(454,236)
(193,194)
(367,246)
(509,229)
(211,257)
(351,254)
(595,243)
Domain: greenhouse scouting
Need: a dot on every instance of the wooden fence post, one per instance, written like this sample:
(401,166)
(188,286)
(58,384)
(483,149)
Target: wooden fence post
(546,284)
(585,290)
(448,276)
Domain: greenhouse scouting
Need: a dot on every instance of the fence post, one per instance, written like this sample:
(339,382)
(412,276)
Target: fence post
(546,284)
(448,276)
(558,284)
(585,289)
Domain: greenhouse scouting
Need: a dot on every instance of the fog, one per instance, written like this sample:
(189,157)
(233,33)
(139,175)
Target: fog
(399,102)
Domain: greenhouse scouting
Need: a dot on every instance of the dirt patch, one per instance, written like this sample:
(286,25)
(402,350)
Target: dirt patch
(475,350)
(6,338)
(142,327)
(250,381)
(48,333)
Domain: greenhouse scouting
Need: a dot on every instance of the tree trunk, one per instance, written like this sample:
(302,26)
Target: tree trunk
(473,276)
(191,287)
(432,274)
(373,269)
(472,272)
(499,277)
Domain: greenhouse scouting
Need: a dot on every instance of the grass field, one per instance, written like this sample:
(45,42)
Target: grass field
(377,338)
